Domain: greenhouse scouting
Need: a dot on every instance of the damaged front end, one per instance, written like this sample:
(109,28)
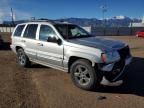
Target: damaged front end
(113,71)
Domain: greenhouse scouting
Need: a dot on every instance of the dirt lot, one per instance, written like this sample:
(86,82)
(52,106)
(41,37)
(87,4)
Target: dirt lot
(42,87)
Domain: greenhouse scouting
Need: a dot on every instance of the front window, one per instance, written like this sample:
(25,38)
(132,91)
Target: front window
(69,31)
(46,32)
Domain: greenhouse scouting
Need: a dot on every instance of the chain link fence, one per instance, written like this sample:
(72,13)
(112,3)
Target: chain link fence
(98,31)
(115,31)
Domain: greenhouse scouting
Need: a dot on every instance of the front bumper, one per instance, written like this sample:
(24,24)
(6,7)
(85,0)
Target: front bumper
(113,71)
(110,66)
(106,82)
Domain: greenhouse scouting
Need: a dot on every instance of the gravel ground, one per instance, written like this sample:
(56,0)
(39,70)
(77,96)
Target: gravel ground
(43,87)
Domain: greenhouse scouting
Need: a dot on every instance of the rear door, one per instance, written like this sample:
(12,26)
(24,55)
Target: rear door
(29,40)
(16,36)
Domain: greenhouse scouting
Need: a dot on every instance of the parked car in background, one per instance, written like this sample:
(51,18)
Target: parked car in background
(140,33)
(1,41)
(90,60)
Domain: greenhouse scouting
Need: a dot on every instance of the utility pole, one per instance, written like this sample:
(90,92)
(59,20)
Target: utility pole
(12,16)
(104,10)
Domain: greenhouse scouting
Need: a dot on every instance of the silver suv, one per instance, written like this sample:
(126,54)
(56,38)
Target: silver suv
(90,60)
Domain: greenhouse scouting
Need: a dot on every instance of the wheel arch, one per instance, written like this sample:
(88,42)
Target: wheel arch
(72,59)
(18,47)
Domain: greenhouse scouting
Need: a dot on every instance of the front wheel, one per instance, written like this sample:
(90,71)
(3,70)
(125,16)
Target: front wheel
(22,58)
(83,74)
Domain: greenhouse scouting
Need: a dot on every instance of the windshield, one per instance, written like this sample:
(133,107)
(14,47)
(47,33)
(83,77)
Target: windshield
(69,31)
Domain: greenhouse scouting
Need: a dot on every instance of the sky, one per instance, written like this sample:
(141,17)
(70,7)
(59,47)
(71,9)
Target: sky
(55,9)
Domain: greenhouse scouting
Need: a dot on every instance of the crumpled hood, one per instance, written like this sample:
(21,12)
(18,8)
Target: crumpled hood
(102,43)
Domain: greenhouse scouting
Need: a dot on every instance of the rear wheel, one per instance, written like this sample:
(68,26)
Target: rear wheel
(83,74)
(22,58)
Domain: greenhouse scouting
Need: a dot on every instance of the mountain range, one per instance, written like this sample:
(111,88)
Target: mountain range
(117,21)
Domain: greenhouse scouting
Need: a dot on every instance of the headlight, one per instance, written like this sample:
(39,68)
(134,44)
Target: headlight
(110,56)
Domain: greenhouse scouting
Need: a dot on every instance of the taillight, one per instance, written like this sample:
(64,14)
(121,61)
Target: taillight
(103,57)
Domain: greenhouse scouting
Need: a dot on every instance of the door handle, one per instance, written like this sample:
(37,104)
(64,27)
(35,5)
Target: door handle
(23,41)
(39,44)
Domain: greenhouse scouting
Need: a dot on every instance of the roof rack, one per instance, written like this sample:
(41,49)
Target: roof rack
(41,20)
(47,20)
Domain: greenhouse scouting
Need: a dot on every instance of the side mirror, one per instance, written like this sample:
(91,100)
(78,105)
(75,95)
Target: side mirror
(59,41)
(54,40)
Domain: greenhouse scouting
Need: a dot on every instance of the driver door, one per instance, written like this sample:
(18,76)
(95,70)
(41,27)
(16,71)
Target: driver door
(49,52)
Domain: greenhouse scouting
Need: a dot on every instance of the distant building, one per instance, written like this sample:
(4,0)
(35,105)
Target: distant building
(88,29)
(141,24)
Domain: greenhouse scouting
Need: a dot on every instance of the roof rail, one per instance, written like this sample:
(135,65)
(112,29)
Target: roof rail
(42,20)
(47,20)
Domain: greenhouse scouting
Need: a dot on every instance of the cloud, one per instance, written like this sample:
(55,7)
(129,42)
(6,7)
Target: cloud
(2,14)
(3,8)
(21,15)
(5,11)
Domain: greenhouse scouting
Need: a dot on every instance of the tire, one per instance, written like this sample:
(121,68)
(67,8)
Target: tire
(22,58)
(84,75)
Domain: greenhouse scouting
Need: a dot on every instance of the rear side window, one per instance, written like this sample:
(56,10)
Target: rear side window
(30,31)
(19,30)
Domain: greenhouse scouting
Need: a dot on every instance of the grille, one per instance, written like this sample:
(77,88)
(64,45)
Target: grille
(124,52)
(118,67)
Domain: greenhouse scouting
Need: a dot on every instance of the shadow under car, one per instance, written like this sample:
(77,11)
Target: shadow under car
(133,80)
